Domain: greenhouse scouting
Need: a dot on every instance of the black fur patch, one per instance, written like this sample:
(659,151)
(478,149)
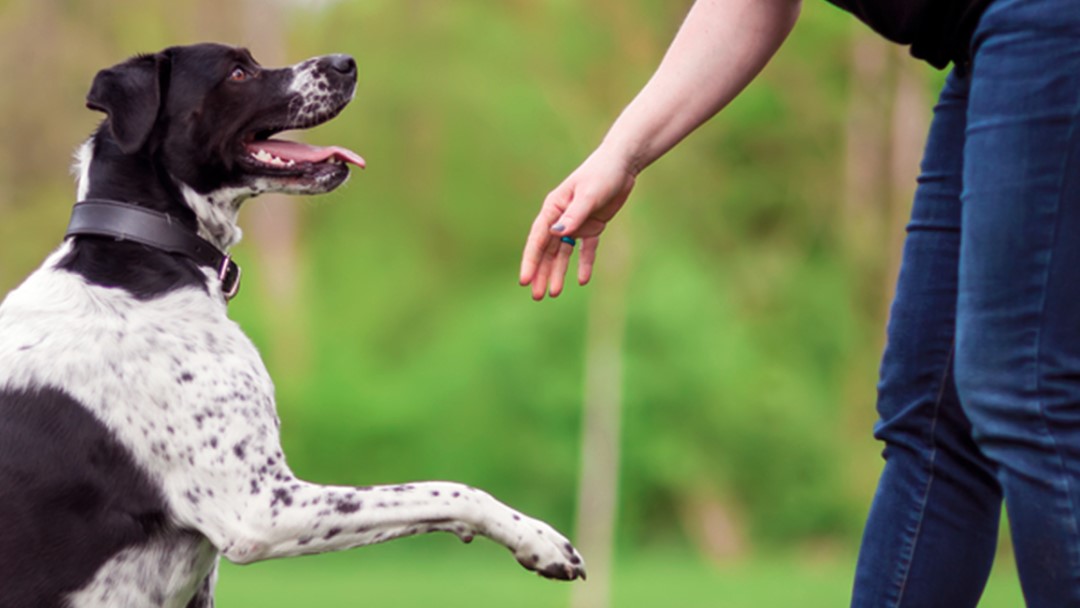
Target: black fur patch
(146,273)
(71,496)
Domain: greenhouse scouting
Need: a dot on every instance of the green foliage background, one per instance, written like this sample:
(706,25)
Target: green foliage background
(754,324)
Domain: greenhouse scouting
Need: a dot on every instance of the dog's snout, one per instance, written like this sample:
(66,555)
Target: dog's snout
(343,64)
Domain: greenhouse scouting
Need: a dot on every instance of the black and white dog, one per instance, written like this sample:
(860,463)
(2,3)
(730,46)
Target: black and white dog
(138,433)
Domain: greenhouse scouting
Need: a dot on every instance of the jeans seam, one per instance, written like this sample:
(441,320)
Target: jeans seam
(931,462)
(1040,404)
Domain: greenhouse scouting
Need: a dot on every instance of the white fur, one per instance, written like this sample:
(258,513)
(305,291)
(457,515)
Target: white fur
(306,78)
(83,156)
(167,573)
(217,213)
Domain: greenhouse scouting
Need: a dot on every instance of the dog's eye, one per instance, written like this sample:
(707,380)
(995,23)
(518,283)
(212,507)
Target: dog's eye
(238,75)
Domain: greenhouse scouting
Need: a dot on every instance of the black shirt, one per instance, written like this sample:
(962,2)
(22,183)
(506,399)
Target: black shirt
(939,31)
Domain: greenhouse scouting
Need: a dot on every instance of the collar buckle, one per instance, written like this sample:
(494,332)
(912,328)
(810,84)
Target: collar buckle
(229,275)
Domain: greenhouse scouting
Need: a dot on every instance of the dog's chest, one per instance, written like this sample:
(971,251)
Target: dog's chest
(177,382)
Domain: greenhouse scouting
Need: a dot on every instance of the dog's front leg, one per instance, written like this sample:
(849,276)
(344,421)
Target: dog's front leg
(299,518)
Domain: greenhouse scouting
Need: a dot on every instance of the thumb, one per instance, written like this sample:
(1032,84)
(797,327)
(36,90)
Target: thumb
(575,215)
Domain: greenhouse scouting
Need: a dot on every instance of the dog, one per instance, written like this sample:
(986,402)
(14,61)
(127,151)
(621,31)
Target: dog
(139,440)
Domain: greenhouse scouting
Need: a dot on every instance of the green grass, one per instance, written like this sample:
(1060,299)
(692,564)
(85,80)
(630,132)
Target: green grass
(431,572)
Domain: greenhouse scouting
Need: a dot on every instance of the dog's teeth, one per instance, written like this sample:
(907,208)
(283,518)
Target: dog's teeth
(269,159)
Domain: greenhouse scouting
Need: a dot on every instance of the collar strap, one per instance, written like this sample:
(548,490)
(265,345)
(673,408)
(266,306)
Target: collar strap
(127,222)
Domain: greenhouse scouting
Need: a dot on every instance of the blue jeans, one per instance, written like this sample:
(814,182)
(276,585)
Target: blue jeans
(979,398)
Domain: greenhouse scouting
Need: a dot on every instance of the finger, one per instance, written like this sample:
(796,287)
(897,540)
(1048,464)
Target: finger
(534,249)
(558,269)
(543,271)
(540,280)
(539,233)
(586,259)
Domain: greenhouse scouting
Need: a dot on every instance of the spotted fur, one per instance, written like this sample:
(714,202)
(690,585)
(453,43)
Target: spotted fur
(139,440)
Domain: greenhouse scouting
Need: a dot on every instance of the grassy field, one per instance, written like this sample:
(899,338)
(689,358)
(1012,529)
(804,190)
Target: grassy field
(430,572)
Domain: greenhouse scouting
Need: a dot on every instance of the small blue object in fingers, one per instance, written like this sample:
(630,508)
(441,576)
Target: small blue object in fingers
(569,240)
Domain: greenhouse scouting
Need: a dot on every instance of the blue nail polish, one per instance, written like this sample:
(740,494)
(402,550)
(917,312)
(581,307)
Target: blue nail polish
(558,227)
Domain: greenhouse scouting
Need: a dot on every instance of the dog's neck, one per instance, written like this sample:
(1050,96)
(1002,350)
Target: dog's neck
(103,172)
(216,214)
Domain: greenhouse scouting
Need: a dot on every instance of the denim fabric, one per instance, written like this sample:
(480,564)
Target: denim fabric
(979,397)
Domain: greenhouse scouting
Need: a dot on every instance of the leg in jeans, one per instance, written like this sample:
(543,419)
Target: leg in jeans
(1018,314)
(932,530)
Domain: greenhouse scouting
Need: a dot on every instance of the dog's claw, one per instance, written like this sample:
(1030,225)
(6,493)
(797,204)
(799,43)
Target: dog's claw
(562,572)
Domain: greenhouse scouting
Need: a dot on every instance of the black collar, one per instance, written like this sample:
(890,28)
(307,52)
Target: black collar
(127,222)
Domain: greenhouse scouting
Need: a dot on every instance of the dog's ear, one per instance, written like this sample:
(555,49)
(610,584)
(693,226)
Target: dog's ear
(130,94)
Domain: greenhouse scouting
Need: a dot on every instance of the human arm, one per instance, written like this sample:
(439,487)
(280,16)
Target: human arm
(720,48)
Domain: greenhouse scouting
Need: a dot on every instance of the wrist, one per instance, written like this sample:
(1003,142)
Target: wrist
(627,155)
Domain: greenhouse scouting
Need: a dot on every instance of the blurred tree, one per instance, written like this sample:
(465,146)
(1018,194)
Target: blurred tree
(273,220)
(909,126)
(598,489)
(888,109)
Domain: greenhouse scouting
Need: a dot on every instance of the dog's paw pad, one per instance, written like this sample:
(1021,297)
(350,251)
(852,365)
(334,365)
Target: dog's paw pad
(562,572)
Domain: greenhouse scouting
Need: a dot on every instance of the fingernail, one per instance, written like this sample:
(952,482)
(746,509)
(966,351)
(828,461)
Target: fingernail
(558,227)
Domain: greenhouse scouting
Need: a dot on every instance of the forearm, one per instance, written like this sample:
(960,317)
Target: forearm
(720,48)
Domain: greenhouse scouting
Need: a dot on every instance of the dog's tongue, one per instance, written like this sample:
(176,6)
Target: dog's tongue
(304,153)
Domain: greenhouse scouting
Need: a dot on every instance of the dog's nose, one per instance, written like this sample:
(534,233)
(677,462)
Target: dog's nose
(343,64)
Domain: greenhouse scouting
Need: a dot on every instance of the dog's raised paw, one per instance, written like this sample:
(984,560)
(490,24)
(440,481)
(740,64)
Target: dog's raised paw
(550,555)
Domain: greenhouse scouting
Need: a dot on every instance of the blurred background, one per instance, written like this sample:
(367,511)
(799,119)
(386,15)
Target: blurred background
(698,419)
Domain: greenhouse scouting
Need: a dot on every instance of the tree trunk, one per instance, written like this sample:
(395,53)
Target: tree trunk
(909,126)
(866,140)
(599,489)
(272,220)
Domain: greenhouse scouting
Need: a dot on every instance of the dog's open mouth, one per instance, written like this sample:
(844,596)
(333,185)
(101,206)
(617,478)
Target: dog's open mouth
(288,155)
(296,167)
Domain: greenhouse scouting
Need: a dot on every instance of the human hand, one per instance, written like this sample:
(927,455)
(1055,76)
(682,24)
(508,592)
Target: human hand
(580,207)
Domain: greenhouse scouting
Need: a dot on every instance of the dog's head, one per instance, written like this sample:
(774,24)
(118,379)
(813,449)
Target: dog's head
(204,115)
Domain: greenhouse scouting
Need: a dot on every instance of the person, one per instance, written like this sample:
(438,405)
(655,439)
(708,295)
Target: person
(979,392)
